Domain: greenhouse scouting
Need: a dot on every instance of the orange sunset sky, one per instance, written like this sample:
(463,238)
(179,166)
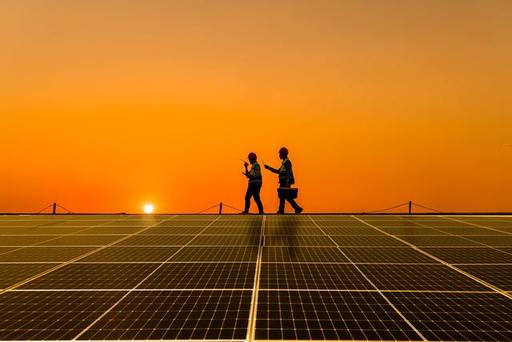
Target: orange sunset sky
(107,105)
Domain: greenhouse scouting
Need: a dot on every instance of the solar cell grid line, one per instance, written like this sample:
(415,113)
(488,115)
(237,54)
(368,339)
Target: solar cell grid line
(253,313)
(134,288)
(473,224)
(59,266)
(491,286)
(380,292)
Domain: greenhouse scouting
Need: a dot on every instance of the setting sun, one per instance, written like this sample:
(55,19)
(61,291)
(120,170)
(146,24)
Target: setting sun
(148,208)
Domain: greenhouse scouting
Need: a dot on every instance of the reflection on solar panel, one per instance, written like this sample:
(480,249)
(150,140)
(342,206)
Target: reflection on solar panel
(209,277)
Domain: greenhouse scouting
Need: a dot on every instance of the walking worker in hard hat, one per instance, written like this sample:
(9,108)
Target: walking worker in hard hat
(286,179)
(255,182)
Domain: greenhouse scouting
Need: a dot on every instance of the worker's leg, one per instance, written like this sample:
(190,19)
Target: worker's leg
(295,206)
(256,195)
(281,205)
(248,196)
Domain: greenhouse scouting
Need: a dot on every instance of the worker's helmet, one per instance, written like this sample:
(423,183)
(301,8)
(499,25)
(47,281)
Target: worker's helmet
(283,150)
(252,156)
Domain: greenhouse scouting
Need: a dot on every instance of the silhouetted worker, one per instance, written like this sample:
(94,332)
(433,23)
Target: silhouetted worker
(286,179)
(255,182)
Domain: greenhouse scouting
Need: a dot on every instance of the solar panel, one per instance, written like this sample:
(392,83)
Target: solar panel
(4,250)
(497,275)
(83,240)
(299,240)
(226,240)
(419,278)
(217,254)
(470,255)
(93,276)
(51,315)
(470,231)
(238,277)
(434,241)
(109,230)
(166,230)
(498,241)
(303,254)
(24,240)
(362,230)
(176,315)
(312,276)
(231,231)
(57,230)
(156,240)
(132,254)
(457,316)
(184,223)
(318,315)
(416,230)
(44,254)
(367,241)
(385,255)
(202,276)
(290,230)
(14,273)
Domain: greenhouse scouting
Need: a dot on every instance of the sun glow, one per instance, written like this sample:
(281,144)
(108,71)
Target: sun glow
(149,208)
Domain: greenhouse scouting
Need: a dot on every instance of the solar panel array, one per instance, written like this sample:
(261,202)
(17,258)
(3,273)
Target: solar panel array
(239,277)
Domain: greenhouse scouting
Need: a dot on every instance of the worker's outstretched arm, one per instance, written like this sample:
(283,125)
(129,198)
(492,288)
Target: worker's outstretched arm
(271,169)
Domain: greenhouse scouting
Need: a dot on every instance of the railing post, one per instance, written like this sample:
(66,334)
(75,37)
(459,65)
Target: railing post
(410,207)
(54,211)
(220,208)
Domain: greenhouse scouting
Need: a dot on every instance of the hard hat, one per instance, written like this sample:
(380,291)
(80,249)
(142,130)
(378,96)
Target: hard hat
(283,150)
(252,155)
